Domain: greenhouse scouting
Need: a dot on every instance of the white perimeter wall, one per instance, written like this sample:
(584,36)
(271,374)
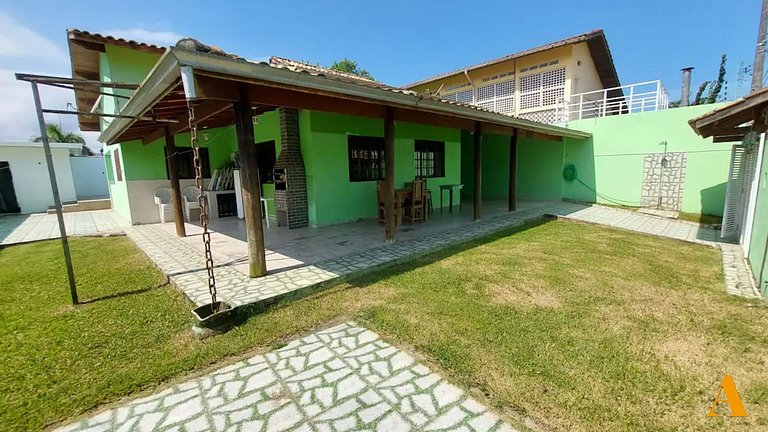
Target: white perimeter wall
(30,176)
(90,177)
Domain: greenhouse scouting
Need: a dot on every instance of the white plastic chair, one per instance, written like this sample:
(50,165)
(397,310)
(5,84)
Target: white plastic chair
(190,194)
(163,198)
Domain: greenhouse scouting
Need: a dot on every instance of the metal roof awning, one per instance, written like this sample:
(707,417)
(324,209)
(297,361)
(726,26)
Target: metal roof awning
(213,82)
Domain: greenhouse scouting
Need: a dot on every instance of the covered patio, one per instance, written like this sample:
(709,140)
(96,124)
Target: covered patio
(189,90)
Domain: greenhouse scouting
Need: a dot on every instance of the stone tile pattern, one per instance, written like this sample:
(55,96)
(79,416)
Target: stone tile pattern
(339,379)
(665,182)
(186,268)
(738,275)
(27,228)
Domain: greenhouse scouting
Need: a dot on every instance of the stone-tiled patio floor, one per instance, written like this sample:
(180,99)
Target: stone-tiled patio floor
(41,226)
(339,379)
(184,264)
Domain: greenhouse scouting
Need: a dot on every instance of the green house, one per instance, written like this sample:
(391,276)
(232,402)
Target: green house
(438,147)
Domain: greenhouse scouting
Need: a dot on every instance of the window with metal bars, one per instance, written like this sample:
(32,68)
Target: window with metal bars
(366,158)
(429,158)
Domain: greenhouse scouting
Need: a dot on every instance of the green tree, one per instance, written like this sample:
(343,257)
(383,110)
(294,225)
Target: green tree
(714,92)
(57,135)
(351,67)
(699,99)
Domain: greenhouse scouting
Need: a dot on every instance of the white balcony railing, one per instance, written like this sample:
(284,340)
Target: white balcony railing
(633,98)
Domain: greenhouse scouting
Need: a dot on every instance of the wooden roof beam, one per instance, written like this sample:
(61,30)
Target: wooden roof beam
(204,111)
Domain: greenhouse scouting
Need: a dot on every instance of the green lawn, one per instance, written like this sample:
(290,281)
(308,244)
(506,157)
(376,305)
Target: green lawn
(566,325)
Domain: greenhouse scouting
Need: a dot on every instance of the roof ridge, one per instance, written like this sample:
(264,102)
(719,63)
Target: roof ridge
(77,32)
(582,37)
(282,60)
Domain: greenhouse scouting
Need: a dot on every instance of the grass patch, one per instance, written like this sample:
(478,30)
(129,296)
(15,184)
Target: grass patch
(572,326)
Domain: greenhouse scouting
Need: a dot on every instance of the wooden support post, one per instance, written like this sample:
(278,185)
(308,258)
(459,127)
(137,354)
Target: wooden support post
(257,263)
(173,174)
(389,176)
(478,199)
(513,171)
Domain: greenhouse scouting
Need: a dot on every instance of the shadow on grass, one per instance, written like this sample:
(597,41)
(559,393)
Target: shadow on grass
(378,274)
(122,294)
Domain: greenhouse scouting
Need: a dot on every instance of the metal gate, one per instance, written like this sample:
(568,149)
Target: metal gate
(8,201)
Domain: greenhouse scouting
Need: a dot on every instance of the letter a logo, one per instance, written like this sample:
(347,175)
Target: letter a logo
(730,396)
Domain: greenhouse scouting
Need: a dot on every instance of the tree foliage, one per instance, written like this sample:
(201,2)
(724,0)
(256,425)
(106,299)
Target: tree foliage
(699,99)
(57,135)
(350,66)
(714,92)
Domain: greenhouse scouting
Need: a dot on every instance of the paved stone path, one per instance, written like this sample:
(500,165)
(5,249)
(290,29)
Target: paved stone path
(27,228)
(339,379)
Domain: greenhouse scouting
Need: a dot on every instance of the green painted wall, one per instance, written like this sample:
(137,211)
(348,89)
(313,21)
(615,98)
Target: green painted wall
(332,197)
(147,162)
(119,64)
(757,244)
(118,190)
(539,164)
(539,169)
(495,167)
(610,164)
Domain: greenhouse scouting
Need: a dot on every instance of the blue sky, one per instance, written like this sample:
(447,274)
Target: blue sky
(397,41)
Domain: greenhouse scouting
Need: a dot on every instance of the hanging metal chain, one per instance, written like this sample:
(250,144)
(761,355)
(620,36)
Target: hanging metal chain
(202,201)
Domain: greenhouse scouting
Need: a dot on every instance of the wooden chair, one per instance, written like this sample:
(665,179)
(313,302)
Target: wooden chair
(382,216)
(380,202)
(418,198)
(428,196)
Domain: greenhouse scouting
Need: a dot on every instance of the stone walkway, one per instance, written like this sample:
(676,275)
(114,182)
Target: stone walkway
(339,379)
(40,226)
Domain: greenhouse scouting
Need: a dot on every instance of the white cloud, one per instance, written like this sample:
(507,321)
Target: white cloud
(163,38)
(20,42)
(24,50)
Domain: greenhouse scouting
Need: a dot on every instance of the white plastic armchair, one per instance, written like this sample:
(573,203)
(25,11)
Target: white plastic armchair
(163,197)
(190,195)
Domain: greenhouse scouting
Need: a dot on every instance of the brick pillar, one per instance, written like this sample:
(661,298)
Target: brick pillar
(292,201)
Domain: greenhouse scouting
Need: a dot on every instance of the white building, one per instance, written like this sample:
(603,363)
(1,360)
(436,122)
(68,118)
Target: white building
(24,183)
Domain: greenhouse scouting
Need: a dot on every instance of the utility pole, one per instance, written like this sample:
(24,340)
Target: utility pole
(757,68)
